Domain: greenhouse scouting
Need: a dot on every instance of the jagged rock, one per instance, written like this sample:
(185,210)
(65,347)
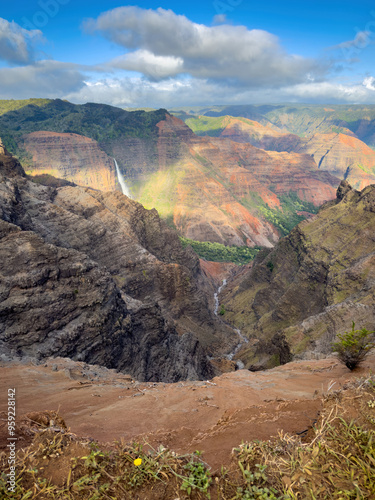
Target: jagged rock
(95,277)
(312,285)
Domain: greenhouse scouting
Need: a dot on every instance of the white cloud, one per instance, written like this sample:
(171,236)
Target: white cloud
(17,44)
(41,79)
(137,91)
(369,83)
(222,53)
(220,19)
(360,41)
(154,67)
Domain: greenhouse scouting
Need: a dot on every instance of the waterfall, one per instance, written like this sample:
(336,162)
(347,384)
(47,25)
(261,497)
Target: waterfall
(120,177)
(216,296)
(243,340)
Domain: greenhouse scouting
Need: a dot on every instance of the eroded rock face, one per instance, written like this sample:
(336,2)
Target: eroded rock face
(312,285)
(261,136)
(96,277)
(72,157)
(343,156)
(210,188)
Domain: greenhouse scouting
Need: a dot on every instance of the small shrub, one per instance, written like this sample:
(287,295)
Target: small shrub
(198,476)
(270,266)
(222,310)
(353,346)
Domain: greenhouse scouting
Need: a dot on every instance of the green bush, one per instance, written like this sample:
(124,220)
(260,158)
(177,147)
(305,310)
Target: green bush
(353,346)
(216,252)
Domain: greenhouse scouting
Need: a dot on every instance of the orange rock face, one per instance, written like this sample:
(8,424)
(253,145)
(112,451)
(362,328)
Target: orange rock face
(72,157)
(212,187)
(264,137)
(343,156)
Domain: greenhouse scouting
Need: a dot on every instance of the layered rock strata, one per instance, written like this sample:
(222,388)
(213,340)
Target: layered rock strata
(96,277)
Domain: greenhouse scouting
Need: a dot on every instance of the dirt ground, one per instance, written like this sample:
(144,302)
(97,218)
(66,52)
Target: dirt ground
(212,416)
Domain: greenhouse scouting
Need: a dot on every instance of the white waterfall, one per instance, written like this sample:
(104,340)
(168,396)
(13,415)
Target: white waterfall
(216,296)
(120,177)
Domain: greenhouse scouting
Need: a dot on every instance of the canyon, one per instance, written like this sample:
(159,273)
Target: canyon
(96,277)
(210,189)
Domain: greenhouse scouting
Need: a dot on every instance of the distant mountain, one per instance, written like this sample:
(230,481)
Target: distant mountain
(311,286)
(342,155)
(210,189)
(300,119)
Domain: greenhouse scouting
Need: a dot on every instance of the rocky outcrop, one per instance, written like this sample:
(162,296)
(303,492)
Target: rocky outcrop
(72,157)
(340,154)
(312,285)
(96,277)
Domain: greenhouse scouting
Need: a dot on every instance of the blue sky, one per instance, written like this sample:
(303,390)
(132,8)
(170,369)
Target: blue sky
(169,53)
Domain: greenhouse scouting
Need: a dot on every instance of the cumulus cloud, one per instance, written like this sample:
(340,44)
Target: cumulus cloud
(369,83)
(17,44)
(225,52)
(41,79)
(154,67)
(175,92)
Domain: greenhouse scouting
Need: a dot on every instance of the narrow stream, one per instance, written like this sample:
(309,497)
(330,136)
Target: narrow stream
(243,340)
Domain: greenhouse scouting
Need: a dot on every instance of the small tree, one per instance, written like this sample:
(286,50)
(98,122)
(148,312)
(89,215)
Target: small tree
(353,346)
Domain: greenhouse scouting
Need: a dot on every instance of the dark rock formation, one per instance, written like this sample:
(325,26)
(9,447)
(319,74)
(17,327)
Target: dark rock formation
(96,277)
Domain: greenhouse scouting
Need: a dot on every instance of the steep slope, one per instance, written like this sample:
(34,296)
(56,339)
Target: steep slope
(244,130)
(94,276)
(219,190)
(312,285)
(343,156)
(213,189)
(72,157)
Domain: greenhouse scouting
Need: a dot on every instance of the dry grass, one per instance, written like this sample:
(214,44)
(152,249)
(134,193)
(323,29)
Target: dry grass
(335,460)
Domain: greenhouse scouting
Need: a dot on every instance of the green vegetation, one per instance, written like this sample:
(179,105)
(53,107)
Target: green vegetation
(199,476)
(217,252)
(205,125)
(286,218)
(97,121)
(12,104)
(353,346)
(270,265)
(222,310)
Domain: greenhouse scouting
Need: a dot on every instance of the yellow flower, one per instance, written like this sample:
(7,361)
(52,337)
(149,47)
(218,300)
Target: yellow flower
(137,461)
